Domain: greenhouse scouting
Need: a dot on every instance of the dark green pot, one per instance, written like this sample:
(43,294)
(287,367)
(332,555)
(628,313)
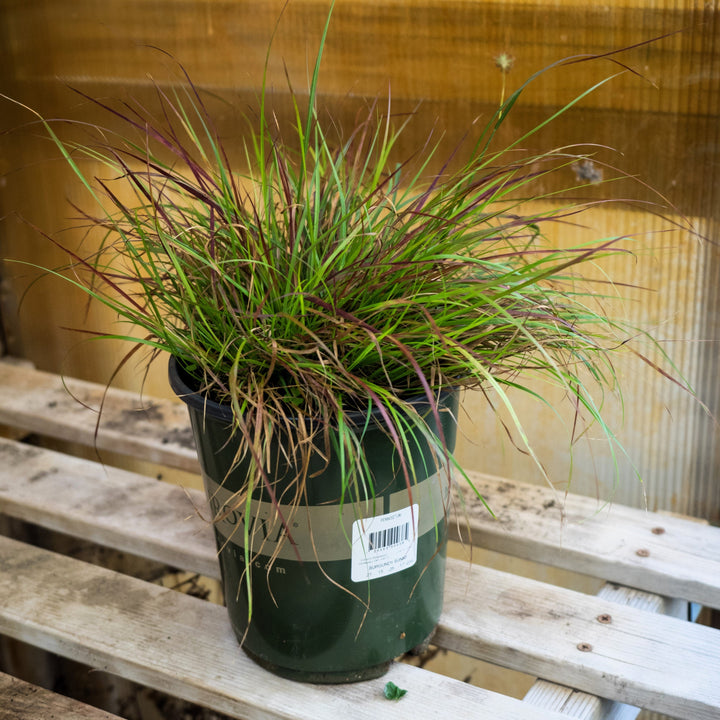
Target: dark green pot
(340,611)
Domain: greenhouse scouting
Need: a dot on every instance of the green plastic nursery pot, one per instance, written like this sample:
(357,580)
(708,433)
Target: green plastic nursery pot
(355,584)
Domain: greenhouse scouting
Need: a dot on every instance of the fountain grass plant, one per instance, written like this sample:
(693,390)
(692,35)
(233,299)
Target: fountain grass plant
(322,278)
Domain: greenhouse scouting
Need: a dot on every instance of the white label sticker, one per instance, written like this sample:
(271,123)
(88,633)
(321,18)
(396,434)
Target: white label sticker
(384,544)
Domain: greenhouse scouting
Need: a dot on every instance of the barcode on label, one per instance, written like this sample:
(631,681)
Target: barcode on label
(384,544)
(388,537)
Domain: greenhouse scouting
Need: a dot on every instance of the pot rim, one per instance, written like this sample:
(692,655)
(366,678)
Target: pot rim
(177,376)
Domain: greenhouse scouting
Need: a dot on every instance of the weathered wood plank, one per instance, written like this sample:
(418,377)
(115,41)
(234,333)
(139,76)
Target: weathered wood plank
(184,646)
(578,705)
(657,553)
(597,646)
(22,701)
(106,505)
(45,403)
(584,706)
(574,703)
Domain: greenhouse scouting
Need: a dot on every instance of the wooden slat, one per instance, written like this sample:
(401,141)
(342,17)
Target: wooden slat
(22,701)
(576,704)
(584,706)
(490,615)
(66,408)
(184,646)
(651,661)
(109,506)
(662,554)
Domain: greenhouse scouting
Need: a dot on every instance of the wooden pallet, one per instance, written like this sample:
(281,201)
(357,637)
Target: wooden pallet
(595,654)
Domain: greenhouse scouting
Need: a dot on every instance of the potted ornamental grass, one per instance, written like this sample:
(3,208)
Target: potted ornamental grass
(323,304)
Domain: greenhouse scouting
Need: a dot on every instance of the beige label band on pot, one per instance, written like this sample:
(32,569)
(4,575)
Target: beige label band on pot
(320,532)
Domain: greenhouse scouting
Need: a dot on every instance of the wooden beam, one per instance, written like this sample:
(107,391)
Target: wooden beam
(577,704)
(22,701)
(67,409)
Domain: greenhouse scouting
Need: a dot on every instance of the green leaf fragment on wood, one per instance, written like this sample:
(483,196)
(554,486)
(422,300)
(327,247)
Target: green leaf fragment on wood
(393,692)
